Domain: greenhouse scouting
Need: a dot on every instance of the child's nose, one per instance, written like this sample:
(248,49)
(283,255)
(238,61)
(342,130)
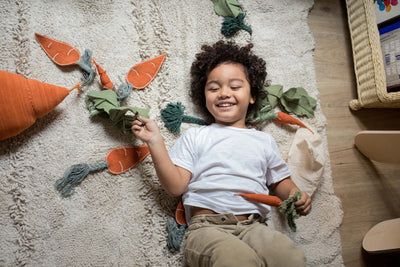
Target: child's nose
(224,92)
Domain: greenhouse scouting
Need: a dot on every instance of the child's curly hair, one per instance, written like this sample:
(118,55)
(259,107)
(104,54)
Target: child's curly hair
(225,52)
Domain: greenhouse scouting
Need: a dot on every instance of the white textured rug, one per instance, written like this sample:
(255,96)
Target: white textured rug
(119,220)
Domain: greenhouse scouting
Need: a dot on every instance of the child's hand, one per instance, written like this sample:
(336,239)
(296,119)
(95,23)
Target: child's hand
(303,205)
(145,129)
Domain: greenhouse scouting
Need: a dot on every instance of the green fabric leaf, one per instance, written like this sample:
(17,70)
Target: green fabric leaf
(106,103)
(259,116)
(274,93)
(102,101)
(264,108)
(288,208)
(227,8)
(296,100)
(123,117)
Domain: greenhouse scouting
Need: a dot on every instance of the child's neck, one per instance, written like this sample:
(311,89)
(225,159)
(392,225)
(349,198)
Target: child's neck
(234,125)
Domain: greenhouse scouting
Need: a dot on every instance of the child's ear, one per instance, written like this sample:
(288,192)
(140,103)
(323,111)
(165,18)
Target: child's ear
(252,100)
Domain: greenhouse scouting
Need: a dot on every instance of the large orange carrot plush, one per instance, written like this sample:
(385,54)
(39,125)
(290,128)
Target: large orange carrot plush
(22,101)
(118,161)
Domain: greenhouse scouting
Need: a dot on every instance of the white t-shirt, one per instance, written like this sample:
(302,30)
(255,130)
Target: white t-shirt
(225,161)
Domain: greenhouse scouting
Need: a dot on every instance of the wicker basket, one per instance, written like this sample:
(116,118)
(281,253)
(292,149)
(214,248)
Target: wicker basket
(368,60)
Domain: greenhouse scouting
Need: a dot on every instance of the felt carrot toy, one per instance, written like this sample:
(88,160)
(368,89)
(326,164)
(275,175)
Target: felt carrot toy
(283,117)
(59,52)
(105,80)
(263,198)
(180,213)
(118,161)
(143,73)
(22,101)
(286,207)
(64,54)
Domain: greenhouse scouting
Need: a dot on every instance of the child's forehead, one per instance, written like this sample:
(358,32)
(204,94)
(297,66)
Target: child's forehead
(229,62)
(230,65)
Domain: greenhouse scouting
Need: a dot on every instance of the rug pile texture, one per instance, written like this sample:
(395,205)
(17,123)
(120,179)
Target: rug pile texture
(120,220)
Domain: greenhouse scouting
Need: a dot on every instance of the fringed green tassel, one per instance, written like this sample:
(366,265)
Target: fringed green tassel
(88,73)
(123,91)
(231,25)
(175,234)
(173,116)
(75,174)
(288,208)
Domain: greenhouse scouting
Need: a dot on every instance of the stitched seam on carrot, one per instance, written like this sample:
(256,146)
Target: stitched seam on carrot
(60,46)
(137,81)
(133,149)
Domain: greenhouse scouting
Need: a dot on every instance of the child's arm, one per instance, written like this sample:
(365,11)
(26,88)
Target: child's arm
(174,179)
(286,188)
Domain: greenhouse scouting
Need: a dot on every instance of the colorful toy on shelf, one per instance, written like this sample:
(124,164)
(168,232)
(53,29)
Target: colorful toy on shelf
(386,5)
(22,101)
(118,160)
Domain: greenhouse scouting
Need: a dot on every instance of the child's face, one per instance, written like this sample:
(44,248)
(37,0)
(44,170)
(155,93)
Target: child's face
(228,94)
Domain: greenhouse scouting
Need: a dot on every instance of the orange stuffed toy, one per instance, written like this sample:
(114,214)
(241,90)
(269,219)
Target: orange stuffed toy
(22,101)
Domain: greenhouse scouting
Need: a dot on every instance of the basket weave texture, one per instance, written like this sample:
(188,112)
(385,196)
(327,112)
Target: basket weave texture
(367,57)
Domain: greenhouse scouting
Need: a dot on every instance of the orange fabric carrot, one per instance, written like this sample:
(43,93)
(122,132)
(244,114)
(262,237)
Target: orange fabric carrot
(125,158)
(262,198)
(118,161)
(105,80)
(286,118)
(22,101)
(143,73)
(59,52)
(180,213)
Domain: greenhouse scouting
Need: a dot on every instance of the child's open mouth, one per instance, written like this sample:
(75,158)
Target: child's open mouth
(225,105)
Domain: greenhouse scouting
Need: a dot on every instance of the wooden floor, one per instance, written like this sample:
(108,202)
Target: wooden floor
(370,192)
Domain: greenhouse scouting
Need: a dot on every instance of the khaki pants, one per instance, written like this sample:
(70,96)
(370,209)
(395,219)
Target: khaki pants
(222,240)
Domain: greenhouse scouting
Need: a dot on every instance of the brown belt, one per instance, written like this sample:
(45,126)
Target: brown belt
(198,211)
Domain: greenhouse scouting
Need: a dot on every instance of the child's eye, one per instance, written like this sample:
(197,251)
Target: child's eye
(235,87)
(212,89)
